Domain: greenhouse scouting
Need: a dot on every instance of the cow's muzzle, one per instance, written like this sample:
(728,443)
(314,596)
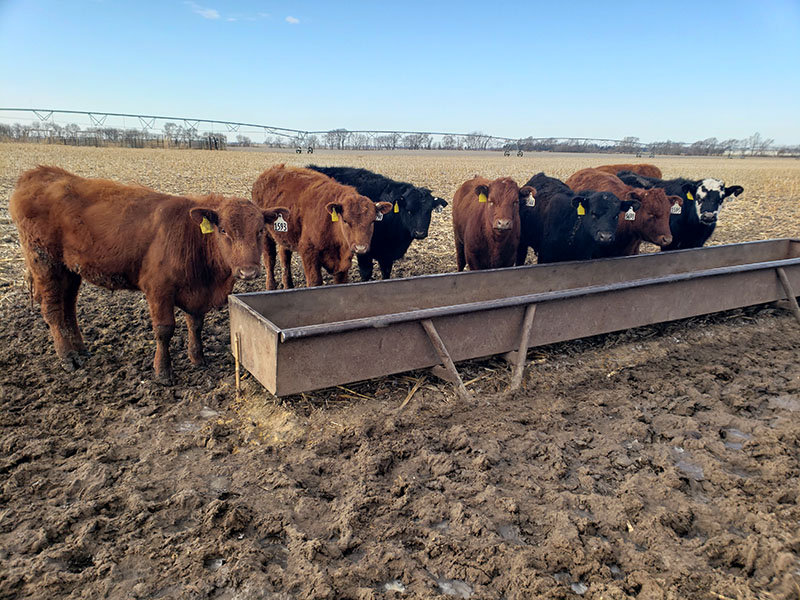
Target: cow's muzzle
(502,224)
(604,237)
(360,248)
(246,273)
(420,235)
(708,217)
(665,240)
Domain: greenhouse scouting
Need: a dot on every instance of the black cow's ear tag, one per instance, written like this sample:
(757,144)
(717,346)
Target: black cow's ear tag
(581,210)
(280,225)
(531,201)
(438,210)
(379,216)
(675,209)
(205,226)
(630,215)
(689,196)
(396,207)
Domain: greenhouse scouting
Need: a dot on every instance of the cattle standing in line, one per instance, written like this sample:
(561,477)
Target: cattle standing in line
(486,222)
(329,223)
(179,251)
(649,224)
(409,219)
(640,168)
(562,225)
(702,201)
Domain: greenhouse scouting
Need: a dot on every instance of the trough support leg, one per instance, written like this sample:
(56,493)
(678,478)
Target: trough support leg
(237,359)
(522,353)
(447,362)
(787,288)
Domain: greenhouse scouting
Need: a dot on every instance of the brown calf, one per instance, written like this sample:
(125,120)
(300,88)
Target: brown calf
(329,223)
(133,238)
(486,222)
(640,168)
(651,221)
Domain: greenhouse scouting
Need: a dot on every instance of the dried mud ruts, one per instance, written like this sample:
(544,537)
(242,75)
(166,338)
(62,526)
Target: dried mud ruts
(655,463)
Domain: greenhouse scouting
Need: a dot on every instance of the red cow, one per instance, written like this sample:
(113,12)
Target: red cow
(486,222)
(329,223)
(179,251)
(650,223)
(640,169)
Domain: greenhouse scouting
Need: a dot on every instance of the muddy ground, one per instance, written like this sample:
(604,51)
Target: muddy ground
(662,462)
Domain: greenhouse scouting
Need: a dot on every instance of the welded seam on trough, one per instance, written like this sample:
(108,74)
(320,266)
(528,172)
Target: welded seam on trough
(441,311)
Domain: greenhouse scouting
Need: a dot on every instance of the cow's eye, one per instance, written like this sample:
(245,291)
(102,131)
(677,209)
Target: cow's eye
(222,230)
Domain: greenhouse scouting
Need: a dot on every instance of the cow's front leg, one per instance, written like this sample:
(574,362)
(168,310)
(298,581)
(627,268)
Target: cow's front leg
(194,324)
(162,313)
(312,268)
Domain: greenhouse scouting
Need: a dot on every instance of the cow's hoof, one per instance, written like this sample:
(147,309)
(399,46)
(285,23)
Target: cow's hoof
(73,361)
(198,361)
(164,378)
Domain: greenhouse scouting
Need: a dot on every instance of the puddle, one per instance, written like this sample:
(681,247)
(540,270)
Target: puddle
(688,468)
(579,588)
(213,563)
(510,533)
(441,526)
(208,413)
(616,571)
(787,402)
(454,587)
(734,439)
(187,427)
(394,586)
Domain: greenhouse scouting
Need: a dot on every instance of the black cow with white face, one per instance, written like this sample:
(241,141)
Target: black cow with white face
(408,220)
(562,225)
(702,201)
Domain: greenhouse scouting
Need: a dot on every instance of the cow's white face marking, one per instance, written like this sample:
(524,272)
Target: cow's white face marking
(710,185)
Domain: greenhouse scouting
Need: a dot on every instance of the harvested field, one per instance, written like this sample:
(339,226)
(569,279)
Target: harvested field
(662,462)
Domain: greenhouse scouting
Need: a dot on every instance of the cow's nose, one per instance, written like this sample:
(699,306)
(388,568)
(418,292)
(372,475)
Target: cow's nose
(708,217)
(250,272)
(665,240)
(361,248)
(420,234)
(604,237)
(502,224)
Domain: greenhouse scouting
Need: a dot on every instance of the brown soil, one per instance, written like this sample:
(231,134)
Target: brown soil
(662,462)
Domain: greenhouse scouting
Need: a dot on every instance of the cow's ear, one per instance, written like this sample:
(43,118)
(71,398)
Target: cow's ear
(626,205)
(576,200)
(675,200)
(733,190)
(526,191)
(482,190)
(331,206)
(439,202)
(383,207)
(690,188)
(633,195)
(198,214)
(271,214)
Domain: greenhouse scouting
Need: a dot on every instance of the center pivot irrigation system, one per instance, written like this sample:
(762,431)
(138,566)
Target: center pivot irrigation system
(304,139)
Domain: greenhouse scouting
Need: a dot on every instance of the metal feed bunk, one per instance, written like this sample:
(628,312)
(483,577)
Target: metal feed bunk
(304,339)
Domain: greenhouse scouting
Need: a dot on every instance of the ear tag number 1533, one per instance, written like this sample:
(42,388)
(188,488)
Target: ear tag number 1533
(531,201)
(280,225)
(630,215)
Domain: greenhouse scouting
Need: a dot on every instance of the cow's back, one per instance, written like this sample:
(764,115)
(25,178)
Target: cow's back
(645,169)
(593,179)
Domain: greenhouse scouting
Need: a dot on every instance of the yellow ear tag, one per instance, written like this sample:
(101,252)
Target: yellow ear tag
(482,198)
(396,207)
(581,210)
(205,226)
(334,216)
(689,196)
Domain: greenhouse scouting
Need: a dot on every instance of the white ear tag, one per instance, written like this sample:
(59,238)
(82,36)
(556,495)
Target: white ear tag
(675,209)
(531,201)
(630,215)
(280,225)
(438,209)
(379,216)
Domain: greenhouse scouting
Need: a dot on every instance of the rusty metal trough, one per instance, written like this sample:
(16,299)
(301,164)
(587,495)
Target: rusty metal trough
(304,339)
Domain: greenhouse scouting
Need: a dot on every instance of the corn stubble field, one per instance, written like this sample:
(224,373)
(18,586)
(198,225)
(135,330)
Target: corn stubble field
(655,463)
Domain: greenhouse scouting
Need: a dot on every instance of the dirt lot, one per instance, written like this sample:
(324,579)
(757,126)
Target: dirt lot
(662,462)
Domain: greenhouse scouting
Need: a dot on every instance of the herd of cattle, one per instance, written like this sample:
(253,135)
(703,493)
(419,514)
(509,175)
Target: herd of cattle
(186,251)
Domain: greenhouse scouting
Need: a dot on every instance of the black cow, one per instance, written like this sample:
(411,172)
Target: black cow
(702,201)
(563,225)
(407,221)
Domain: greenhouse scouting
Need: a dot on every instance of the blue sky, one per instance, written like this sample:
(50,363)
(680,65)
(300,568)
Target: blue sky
(684,70)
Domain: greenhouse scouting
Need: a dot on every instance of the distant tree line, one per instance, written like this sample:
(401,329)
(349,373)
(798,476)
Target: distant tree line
(173,136)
